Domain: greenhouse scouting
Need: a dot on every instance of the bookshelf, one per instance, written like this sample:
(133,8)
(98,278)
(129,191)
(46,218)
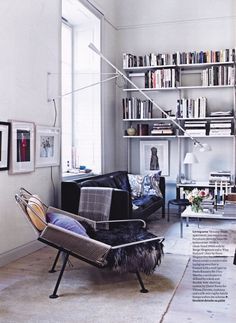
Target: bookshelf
(199,79)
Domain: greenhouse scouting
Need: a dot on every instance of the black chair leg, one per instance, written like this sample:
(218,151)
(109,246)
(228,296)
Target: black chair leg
(54,294)
(163,212)
(52,270)
(143,289)
(168,215)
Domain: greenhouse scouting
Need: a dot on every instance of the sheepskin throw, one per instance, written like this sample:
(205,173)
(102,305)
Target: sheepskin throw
(142,257)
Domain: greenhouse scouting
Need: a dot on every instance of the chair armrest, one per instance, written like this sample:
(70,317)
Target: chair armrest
(138,242)
(119,221)
(77,244)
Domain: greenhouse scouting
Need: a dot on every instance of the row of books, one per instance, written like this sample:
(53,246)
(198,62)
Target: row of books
(134,108)
(191,108)
(152,59)
(218,75)
(162,129)
(209,56)
(164,78)
(195,57)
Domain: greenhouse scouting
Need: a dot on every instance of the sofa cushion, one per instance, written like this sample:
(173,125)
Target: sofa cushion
(151,184)
(66,222)
(122,181)
(145,201)
(136,185)
(145,185)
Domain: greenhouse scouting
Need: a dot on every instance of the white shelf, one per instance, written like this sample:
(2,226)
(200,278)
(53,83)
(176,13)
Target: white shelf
(150,119)
(180,88)
(151,89)
(205,87)
(194,66)
(207,136)
(151,136)
(203,65)
(145,68)
(208,118)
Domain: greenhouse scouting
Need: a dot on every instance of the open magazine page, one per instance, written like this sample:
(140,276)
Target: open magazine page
(207,291)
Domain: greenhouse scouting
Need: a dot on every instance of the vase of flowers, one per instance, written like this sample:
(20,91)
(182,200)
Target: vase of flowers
(196,197)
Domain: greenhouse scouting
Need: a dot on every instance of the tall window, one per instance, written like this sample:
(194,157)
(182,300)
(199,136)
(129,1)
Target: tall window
(81,110)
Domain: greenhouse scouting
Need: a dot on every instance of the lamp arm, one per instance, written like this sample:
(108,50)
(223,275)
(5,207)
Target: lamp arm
(84,87)
(91,46)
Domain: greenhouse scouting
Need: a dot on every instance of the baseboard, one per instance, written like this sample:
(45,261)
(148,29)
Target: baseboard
(19,252)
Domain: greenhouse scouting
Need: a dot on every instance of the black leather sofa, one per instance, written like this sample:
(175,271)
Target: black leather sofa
(121,204)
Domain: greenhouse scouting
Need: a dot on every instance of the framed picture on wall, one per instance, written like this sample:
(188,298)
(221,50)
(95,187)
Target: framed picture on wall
(154,155)
(4,145)
(47,146)
(22,147)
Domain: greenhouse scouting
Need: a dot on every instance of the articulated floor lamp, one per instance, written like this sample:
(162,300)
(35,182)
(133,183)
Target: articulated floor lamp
(201,146)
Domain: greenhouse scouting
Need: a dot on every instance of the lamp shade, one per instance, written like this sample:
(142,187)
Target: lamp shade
(190,158)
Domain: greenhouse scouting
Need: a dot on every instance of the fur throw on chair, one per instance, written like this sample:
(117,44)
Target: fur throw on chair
(142,257)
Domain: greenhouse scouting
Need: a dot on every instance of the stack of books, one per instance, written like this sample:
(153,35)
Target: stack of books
(221,113)
(196,128)
(220,176)
(162,129)
(220,128)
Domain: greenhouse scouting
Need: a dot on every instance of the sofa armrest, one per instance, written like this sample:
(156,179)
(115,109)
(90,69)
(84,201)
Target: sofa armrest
(121,205)
(70,194)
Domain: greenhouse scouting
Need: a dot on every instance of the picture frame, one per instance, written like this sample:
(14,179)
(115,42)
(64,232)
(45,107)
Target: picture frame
(22,147)
(5,130)
(47,146)
(154,156)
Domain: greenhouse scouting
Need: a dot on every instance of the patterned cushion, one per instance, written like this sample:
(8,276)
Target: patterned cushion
(136,185)
(142,185)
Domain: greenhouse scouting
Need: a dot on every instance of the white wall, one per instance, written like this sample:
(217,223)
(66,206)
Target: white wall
(109,38)
(109,49)
(169,26)
(30,48)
